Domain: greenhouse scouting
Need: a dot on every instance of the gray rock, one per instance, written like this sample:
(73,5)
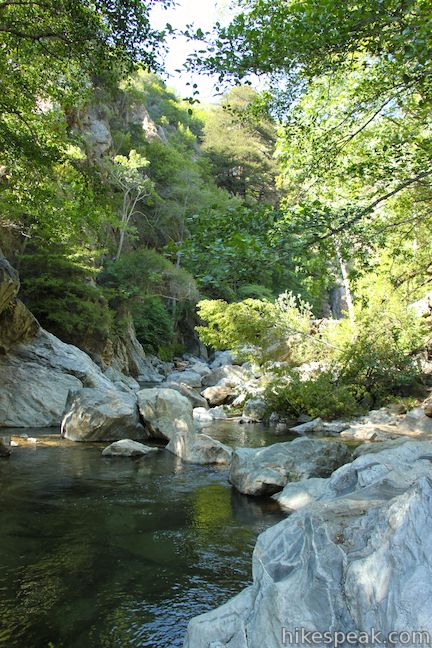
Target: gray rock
(128,448)
(345,565)
(200,368)
(187,377)
(334,428)
(255,409)
(204,416)
(199,449)
(96,415)
(122,382)
(36,377)
(165,412)
(193,396)
(264,471)
(220,359)
(362,433)
(417,421)
(234,374)
(219,394)
(316,425)
(391,469)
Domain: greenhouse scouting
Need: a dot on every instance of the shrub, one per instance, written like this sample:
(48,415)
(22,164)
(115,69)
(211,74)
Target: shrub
(321,396)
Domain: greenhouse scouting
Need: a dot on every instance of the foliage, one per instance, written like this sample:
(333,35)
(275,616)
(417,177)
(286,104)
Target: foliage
(59,288)
(256,328)
(370,360)
(321,396)
(50,50)
(153,325)
(242,161)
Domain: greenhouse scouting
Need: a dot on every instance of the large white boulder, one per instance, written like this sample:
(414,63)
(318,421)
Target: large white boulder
(165,412)
(36,377)
(264,471)
(393,467)
(101,415)
(359,563)
(199,449)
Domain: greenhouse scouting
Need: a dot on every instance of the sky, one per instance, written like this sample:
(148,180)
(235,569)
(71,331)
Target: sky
(200,13)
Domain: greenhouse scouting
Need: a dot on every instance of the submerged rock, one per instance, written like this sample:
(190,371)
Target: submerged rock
(360,562)
(96,415)
(128,448)
(5,449)
(264,471)
(165,412)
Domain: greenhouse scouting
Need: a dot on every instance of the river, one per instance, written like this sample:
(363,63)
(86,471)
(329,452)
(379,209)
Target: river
(112,553)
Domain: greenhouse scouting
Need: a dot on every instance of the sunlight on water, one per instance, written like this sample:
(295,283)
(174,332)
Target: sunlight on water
(114,553)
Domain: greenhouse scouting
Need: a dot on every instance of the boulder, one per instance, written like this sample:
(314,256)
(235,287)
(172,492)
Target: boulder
(219,394)
(165,412)
(233,374)
(417,421)
(202,415)
(193,396)
(101,415)
(255,410)
(17,325)
(199,449)
(346,565)
(200,368)
(427,406)
(392,468)
(36,377)
(316,425)
(220,359)
(128,448)
(186,377)
(122,382)
(264,471)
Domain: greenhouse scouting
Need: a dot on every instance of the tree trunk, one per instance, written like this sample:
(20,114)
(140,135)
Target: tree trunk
(346,282)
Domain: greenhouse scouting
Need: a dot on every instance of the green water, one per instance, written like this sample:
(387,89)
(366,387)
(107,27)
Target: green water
(103,553)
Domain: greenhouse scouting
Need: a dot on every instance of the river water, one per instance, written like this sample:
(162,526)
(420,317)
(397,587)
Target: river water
(112,553)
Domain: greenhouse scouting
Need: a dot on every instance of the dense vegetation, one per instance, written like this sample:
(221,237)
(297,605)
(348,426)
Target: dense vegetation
(119,202)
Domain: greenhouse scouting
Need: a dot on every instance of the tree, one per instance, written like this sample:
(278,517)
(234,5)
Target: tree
(50,52)
(242,161)
(127,176)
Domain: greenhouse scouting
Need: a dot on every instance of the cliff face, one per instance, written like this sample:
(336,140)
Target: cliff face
(37,370)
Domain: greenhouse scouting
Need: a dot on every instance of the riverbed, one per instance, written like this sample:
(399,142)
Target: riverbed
(112,553)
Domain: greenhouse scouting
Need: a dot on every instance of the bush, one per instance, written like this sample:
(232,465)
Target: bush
(321,396)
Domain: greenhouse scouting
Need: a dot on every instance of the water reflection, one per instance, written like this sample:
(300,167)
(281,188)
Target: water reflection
(104,553)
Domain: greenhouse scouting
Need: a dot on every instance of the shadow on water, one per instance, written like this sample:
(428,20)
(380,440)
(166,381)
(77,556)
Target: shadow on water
(110,553)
